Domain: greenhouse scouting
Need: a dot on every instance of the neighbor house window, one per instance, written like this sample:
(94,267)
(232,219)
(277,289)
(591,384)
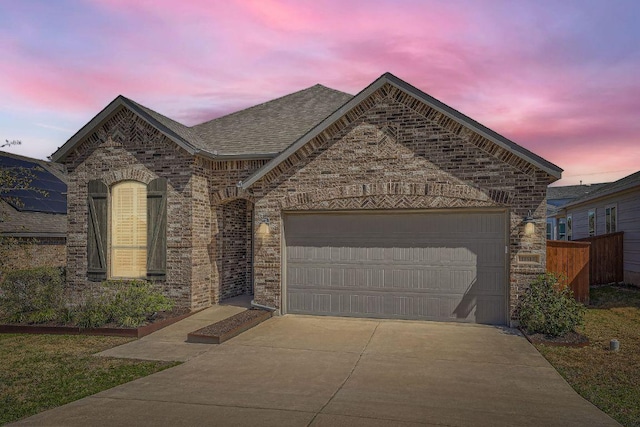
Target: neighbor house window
(610,219)
(129,230)
(569,227)
(549,234)
(562,229)
(591,219)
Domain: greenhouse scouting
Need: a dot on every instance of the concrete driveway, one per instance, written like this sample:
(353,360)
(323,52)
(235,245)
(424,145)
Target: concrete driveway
(300,371)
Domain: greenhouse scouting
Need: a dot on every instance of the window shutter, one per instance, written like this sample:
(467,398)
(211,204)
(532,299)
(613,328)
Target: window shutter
(97,232)
(157,229)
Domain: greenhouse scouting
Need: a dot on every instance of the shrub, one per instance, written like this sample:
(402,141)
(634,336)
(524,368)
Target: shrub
(92,313)
(135,301)
(34,295)
(549,308)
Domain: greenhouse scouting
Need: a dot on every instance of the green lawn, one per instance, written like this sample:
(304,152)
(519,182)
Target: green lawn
(39,372)
(610,380)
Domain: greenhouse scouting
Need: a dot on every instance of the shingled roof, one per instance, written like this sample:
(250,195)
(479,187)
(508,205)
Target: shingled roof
(263,130)
(270,127)
(623,184)
(27,223)
(572,191)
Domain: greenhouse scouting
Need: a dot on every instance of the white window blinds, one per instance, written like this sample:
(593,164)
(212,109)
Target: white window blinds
(129,230)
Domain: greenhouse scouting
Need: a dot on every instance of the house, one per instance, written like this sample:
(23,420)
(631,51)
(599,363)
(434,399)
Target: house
(556,198)
(385,204)
(610,208)
(33,208)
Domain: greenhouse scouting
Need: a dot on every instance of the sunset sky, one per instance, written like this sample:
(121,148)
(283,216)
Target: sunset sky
(561,78)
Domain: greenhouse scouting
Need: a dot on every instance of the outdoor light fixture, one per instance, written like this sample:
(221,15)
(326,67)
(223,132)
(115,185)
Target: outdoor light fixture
(263,228)
(529,225)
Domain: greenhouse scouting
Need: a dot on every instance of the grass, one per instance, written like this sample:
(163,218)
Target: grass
(39,372)
(610,380)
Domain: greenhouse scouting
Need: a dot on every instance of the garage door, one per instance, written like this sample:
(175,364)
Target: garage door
(446,266)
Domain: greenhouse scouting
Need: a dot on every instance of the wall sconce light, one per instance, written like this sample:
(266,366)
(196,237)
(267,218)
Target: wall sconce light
(529,225)
(263,229)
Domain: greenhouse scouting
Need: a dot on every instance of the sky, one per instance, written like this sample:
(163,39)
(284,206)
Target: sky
(560,78)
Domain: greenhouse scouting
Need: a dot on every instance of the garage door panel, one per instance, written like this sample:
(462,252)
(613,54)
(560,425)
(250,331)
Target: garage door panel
(433,266)
(438,307)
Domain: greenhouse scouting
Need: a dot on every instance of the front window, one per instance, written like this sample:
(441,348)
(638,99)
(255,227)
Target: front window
(592,222)
(611,219)
(569,227)
(129,230)
(549,236)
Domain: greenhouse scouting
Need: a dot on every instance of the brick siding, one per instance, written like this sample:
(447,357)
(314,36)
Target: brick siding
(25,253)
(397,153)
(389,152)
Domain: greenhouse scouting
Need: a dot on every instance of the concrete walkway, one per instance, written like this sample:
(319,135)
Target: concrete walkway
(170,343)
(311,371)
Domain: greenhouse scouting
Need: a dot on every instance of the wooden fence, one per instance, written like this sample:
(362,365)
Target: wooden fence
(606,258)
(570,260)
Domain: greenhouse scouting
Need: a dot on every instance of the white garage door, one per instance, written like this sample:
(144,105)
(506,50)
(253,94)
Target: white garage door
(441,265)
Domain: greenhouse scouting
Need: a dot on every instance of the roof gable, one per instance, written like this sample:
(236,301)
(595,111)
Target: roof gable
(178,133)
(259,131)
(456,120)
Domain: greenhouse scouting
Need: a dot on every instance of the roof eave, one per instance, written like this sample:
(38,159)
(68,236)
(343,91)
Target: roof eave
(32,234)
(617,191)
(548,167)
(105,114)
(222,157)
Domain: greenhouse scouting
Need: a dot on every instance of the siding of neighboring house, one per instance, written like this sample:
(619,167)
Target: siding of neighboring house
(628,221)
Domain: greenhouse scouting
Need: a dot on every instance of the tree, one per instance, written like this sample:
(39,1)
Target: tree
(12,142)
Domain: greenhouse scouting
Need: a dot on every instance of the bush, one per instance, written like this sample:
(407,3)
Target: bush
(549,308)
(37,296)
(135,301)
(92,313)
(33,295)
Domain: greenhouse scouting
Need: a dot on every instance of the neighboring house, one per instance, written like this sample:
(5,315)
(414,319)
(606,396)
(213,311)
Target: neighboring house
(34,218)
(556,198)
(384,204)
(610,208)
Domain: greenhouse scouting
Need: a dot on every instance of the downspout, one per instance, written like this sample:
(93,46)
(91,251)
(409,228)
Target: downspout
(254,304)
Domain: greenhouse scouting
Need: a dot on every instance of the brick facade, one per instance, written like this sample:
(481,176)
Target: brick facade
(395,152)
(127,148)
(391,151)
(22,253)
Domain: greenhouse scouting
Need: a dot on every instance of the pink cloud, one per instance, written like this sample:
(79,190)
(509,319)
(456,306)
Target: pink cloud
(529,71)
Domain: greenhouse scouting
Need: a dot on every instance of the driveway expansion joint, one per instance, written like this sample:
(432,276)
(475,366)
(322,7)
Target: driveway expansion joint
(348,376)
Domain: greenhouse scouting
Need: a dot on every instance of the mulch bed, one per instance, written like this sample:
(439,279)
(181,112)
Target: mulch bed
(572,339)
(161,320)
(221,331)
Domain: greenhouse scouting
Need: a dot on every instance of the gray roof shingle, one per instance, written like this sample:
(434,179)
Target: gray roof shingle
(626,183)
(270,127)
(572,191)
(37,224)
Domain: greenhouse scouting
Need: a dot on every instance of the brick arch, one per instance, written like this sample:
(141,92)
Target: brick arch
(407,195)
(139,174)
(229,194)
